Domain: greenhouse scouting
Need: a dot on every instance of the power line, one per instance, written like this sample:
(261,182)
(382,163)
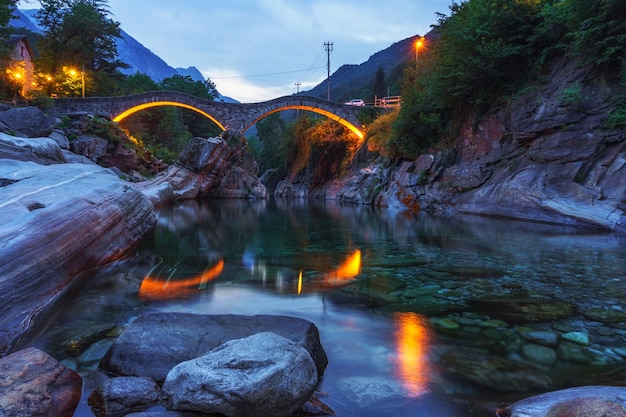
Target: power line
(317,62)
(264,75)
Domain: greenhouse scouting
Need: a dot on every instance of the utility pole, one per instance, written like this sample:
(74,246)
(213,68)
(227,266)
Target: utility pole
(328,46)
(297,91)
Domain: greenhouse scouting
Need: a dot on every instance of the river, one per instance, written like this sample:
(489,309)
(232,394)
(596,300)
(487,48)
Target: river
(419,316)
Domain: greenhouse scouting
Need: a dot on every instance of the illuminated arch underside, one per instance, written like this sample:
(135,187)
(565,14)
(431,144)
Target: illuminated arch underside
(144,106)
(326,113)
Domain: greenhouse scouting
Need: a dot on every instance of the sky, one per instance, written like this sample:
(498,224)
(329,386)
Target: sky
(257,50)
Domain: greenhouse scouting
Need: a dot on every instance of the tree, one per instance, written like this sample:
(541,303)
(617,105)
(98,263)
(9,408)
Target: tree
(272,134)
(186,84)
(196,123)
(78,35)
(380,86)
(597,30)
(6,11)
(485,50)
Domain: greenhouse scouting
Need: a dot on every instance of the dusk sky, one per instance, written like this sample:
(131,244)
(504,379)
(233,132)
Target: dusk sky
(256,50)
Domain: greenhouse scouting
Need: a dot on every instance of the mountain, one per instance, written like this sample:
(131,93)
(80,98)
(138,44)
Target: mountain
(352,81)
(192,72)
(141,59)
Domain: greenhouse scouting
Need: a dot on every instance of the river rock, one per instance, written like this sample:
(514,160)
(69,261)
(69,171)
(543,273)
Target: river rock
(497,373)
(154,343)
(29,121)
(34,384)
(123,394)
(589,401)
(264,375)
(89,146)
(604,315)
(57,221)
(523,309)
(539,354)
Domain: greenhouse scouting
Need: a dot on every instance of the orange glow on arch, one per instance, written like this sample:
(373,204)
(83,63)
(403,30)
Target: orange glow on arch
(326,113)
(346,272)
(144,106)
(152,288)
(412,343)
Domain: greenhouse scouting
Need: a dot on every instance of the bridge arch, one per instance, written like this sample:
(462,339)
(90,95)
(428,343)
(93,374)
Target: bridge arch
(313,109)
(144,106)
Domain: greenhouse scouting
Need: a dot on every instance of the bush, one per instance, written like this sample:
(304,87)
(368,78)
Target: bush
(40,100)
(379,132)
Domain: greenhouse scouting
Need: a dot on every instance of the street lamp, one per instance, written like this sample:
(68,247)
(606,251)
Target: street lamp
(419,43)
(82,78)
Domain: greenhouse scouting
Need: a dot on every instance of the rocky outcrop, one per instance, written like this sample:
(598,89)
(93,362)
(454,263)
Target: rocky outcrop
(34,384)
(57,221)
(229,364)
(27,122)
(167,337)
(546,157)
(214,167)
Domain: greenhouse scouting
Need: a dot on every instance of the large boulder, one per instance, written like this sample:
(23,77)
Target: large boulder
(264,375)
(34,384)
(587,401)
(28,122)
(213,167)
(154,343)
(58,221)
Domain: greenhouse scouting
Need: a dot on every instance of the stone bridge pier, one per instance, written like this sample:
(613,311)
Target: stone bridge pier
(236,116)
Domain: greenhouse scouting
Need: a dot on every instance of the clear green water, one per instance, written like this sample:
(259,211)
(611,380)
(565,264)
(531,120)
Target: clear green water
(377,327)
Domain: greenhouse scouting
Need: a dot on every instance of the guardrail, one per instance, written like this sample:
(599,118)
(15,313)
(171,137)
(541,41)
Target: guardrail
(386,102)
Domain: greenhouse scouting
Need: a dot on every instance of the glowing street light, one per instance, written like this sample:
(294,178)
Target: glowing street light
(73,73)
(419,43)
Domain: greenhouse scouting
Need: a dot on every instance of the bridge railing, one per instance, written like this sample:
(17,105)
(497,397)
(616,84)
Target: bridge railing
(386,102)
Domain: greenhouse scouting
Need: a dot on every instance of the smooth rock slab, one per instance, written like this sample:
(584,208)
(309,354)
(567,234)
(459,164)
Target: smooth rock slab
(154,343)
(34,384)
(57,221)
(263,375)
(589,401)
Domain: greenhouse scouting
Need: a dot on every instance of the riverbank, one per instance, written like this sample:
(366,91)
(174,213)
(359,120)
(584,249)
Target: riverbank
(545,157)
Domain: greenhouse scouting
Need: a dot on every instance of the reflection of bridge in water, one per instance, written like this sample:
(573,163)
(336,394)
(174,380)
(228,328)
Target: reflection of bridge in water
(237,116)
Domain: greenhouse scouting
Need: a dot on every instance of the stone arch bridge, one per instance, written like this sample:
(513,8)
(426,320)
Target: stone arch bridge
(237,116)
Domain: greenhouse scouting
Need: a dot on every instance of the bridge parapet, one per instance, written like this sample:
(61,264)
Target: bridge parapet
(238,116)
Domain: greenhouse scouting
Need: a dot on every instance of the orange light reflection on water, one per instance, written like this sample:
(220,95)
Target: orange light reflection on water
(346,272)
(412,343)
(153,288)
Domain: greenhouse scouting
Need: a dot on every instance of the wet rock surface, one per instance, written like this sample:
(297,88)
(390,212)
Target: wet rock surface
(32,383)
(123,394)
(591,401)
(57,221)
